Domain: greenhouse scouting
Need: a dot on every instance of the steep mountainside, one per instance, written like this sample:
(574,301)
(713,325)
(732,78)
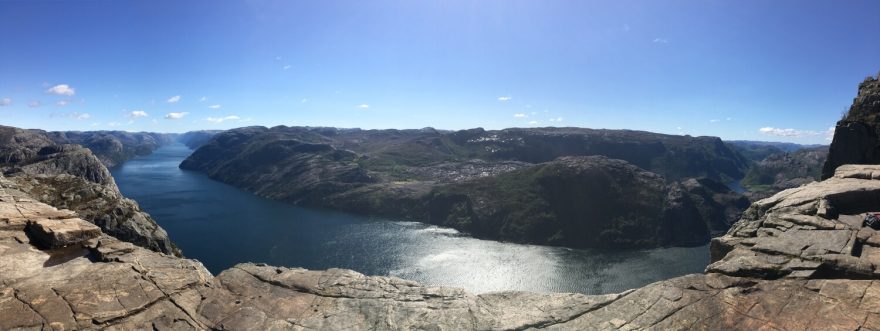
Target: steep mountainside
(785,170)
(856,135)
(113,147)
(70,176)
(588,201)
(523,185)
(195,139)
(759,150)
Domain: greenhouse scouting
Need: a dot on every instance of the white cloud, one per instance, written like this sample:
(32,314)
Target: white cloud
(304,100)
(795,133)
(533,122)
(173,99)
(5,102)
(660,41)
(62,89)
(111,124)
(729,119)
(287,67)
(221,119)
(83,116)
(714,120)
(214,106)
(558,119)
(504,98)
(175,116)
(363,106)
(138,113)
(519,115)
(203,99)
(34,104)
(277,58)
(62,103)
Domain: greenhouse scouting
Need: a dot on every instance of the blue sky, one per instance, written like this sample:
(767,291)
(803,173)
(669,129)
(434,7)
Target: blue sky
(722,68)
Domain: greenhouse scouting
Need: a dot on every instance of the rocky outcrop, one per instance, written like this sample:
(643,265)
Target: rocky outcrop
(797,261)
(71,177)
(856,135)
(542,186)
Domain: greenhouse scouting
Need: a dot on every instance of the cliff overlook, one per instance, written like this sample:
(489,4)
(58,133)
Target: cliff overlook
(72,177)
(521,185)
(800,260)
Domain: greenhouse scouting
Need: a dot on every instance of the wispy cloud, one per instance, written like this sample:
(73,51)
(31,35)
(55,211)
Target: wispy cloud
(286,67)
(660,41)
(714,120)
(222,119)
(34,104)
(81,116)
(504,98)
(5,102)
(795,133)
(363,106)
(519,115)
(173,99)
(138,114)
(175,116)
(214,106)
(558,119)
(62,89)
(62,103)
(533,122)
(203,99)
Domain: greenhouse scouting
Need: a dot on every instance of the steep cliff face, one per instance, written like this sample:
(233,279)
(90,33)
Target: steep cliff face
(70,176)
(195,139)
(590,201)
(856,135)
(113,147)
(798,261)
(515,184)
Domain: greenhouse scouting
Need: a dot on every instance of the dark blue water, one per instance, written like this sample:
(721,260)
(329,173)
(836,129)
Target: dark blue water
(222,226)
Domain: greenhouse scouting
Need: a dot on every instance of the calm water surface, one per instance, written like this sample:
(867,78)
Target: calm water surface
(221,226)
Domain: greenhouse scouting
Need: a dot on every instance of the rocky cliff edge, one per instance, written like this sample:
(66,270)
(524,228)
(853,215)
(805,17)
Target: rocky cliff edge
(799,260)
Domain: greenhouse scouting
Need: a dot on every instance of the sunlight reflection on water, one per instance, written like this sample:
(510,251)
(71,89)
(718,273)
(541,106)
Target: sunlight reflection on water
(221,226)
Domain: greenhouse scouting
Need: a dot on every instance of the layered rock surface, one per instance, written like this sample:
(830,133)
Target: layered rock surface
(70,176)
(797,261)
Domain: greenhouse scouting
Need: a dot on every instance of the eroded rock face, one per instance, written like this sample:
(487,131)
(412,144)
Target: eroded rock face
(71,177)
(797,261)
(856,135)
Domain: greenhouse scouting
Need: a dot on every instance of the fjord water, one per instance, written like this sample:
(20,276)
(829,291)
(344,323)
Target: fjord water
(221,226)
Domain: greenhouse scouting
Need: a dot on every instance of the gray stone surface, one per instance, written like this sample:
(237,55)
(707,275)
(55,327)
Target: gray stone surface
(781,267)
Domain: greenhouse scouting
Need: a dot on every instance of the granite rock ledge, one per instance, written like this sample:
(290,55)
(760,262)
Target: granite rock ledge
(799,260)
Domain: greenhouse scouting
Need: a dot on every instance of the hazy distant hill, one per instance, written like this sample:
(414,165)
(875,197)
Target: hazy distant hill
(113,147)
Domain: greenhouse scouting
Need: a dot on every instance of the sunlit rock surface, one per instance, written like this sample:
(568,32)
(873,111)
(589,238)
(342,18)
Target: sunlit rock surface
(797,261)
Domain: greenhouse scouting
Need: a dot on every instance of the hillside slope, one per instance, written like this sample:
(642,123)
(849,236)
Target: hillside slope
(508,185)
